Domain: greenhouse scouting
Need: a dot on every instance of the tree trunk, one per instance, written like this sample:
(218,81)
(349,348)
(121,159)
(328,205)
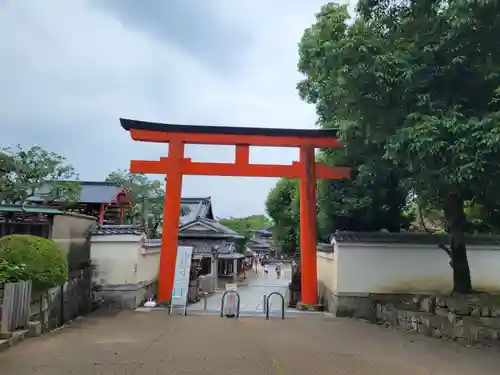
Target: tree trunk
(456,220)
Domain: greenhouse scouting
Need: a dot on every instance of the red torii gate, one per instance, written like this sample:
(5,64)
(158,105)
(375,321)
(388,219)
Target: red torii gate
(176,165)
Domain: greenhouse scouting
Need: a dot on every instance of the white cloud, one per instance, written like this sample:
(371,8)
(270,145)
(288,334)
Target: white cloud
(70,69)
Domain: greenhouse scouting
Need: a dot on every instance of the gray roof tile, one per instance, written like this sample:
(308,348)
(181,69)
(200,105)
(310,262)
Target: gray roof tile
(217,227)
(264,231)
(258,243)
(196,207)
(91,192)
(99,192)
(111,230)
(410,237)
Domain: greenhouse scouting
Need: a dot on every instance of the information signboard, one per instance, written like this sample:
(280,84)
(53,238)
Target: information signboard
(181,279)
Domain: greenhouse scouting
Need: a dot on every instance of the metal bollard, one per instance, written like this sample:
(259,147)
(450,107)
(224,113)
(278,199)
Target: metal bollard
(282,304)
(264,303)
(205,300)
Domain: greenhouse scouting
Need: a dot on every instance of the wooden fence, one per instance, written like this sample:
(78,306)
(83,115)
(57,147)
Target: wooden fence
(57,306)
(52,308)
(15,301)
(40,229)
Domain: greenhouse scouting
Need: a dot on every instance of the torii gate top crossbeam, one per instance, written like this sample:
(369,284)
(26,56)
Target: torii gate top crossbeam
(229,135)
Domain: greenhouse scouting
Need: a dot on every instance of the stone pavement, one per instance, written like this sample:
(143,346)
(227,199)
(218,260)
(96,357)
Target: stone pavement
(141,343)
(252,292)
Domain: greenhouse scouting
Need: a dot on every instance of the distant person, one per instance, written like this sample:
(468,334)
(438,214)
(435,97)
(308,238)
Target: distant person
(278,271)
(266,269)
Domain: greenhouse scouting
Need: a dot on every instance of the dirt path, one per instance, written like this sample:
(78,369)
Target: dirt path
(155,343)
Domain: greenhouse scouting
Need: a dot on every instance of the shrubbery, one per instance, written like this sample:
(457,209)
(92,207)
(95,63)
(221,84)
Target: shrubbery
(26,257)
(10,273)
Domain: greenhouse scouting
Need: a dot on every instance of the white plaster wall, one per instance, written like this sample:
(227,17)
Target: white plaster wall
(148,264)
(115,259)
(404,268)
(327,270)
(70,232)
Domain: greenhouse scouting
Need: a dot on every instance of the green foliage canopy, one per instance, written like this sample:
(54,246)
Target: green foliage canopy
(244,226)
(22,172)
(27,257)
(414,83)
(282,206)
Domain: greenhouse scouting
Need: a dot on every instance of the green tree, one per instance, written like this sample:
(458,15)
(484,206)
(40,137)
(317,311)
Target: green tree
(417,79)
(26,257)
(23,172)
(372,200)
(6,168)
(282,206)
(148,197)
(245,225)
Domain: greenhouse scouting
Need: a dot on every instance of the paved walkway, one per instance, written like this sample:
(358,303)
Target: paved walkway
(140,343)
(150,343)
(252,293)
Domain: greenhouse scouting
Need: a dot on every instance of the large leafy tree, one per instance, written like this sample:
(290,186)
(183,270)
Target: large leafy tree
(372,200)
(24,171)
(418,79)
(282,206)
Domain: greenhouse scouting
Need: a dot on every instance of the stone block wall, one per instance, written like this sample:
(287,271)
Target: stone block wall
(468,319)
(127,296)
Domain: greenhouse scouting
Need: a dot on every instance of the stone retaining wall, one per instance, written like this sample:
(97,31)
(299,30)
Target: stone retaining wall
(126,296)
(358,306)
(468,319)
(473,318)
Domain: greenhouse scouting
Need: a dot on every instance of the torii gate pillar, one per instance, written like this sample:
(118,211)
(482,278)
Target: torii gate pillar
(308,262)
(170,225)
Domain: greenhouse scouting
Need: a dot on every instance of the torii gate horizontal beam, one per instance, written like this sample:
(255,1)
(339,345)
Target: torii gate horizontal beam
(237,169)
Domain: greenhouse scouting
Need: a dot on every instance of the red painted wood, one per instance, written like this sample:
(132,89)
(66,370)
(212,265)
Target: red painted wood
(176,165)
(309,281)
(233,139)
(237,169)
(170,227)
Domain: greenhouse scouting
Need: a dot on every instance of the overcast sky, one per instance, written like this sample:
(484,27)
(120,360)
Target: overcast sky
(71,69)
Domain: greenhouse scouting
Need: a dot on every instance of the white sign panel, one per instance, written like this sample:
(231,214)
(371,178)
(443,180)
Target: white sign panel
(182,271)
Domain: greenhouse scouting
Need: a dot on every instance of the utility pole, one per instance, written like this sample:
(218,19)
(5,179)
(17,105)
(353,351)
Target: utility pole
(144,207)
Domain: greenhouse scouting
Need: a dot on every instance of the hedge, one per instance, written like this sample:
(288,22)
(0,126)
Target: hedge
(37,259)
